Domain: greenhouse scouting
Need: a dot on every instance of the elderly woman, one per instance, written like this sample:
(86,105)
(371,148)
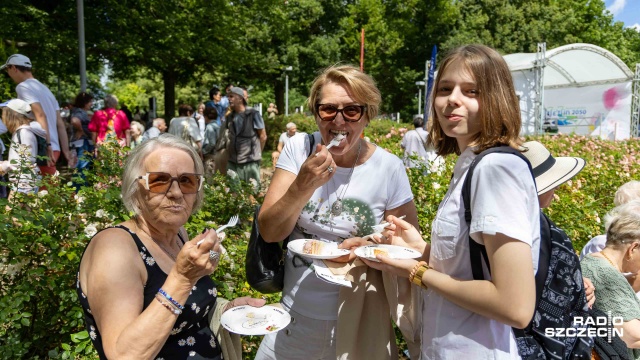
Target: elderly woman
(144,287)
(606,269)
(335,194)
(137,130)
(110,123)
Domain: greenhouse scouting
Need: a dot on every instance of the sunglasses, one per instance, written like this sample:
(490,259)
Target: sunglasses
(350,113)
(160,182)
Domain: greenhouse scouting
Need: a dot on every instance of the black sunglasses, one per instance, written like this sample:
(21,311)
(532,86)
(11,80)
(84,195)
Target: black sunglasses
(350,113)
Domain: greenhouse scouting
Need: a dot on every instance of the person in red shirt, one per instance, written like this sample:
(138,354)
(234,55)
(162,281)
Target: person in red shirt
(110,123)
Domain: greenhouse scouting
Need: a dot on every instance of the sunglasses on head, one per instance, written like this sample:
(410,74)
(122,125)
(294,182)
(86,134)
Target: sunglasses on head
(350,113)
(160,182)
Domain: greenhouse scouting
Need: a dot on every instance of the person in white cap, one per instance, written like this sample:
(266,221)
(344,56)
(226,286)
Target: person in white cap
(16,114)
(247,136)
(45,109)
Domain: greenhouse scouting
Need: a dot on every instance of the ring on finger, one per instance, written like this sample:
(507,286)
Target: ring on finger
(214,255)
(330,169)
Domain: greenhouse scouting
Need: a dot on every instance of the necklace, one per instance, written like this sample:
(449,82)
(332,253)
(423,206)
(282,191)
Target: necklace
(609,260)
(337,207)
(154,240)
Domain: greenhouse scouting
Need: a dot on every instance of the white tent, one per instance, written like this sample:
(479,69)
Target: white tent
(584,89)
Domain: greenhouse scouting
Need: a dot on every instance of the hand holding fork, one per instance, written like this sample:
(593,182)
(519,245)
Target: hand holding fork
(232,222)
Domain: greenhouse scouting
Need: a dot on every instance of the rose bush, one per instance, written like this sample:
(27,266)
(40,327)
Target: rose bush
(42,236)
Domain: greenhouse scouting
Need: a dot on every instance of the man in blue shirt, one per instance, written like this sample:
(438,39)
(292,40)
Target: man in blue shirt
(221,103)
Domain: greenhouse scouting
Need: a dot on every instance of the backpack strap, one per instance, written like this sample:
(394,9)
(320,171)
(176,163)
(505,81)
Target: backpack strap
(312,142)
(478,251)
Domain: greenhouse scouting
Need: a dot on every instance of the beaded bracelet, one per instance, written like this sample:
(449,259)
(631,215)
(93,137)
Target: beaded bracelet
(166,296)
(168,305)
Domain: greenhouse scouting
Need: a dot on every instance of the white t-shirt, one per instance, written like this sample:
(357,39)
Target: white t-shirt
(33,91)
(503,200)
(380,184)
(201,124)
(413,143)
(594,245)
(25,182)
(284,138)
(177,125)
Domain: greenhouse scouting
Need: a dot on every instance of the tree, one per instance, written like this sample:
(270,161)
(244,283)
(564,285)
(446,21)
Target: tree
(513,26)
(173,38)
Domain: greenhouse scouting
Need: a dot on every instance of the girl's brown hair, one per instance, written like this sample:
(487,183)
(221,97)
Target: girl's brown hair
(499,109)
(13,119)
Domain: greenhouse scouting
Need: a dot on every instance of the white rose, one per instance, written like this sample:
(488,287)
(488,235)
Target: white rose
(90,230)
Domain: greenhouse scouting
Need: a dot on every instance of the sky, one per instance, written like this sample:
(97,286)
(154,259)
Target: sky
(627,11)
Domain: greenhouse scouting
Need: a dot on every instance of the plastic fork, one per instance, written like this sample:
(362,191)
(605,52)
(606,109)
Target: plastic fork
(377,229)
(232,222)
(335,141)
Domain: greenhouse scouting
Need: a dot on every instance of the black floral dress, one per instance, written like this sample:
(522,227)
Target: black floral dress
(191,337)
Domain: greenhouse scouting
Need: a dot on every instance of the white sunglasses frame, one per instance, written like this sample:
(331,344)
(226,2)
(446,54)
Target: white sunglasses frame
(173,178)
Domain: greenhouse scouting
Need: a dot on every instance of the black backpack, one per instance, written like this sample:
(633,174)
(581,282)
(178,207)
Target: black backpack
(42,155)
(560,293)
(611,348)
(264,262)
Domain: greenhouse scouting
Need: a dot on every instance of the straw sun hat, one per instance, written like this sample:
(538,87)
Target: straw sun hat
(550,172)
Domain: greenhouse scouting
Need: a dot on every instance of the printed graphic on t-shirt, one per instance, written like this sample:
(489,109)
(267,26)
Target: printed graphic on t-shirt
(357,214)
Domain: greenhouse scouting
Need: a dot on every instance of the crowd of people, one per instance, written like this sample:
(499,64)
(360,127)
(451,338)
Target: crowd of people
(146,290)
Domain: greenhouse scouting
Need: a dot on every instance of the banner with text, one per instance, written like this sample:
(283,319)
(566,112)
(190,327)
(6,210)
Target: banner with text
(599,110)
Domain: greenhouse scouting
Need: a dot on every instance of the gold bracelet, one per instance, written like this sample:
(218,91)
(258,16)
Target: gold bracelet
(417,272)
(412,274)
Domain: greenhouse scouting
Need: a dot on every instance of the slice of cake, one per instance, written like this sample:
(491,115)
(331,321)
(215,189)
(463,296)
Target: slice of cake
(313,247)
(371,252)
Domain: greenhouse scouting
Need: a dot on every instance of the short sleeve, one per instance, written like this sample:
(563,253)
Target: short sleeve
(399,188)
(504,198)
(95,121)
(294,153)
(26,94)
(124,120)
(194,130)
(258,121)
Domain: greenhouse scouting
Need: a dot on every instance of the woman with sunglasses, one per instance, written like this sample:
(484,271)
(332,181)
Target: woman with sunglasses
(335,194)
(607,270)
(143,285)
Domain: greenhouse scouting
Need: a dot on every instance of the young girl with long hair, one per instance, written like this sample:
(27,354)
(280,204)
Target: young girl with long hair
(475,108)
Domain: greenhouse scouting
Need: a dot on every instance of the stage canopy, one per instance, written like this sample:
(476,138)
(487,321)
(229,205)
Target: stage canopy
(584,89)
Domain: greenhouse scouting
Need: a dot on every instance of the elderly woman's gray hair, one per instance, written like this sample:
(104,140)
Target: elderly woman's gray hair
(134,167)
(625,224)
(110,101)
(627,192)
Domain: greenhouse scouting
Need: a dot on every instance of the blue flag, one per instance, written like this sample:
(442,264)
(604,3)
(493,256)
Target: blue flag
(430,79)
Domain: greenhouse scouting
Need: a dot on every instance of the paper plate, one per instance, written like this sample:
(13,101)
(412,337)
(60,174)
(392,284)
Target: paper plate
(249,320)
(331,250)
(395,252)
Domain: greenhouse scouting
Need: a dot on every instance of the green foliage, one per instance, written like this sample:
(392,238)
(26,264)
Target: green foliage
(184,47)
